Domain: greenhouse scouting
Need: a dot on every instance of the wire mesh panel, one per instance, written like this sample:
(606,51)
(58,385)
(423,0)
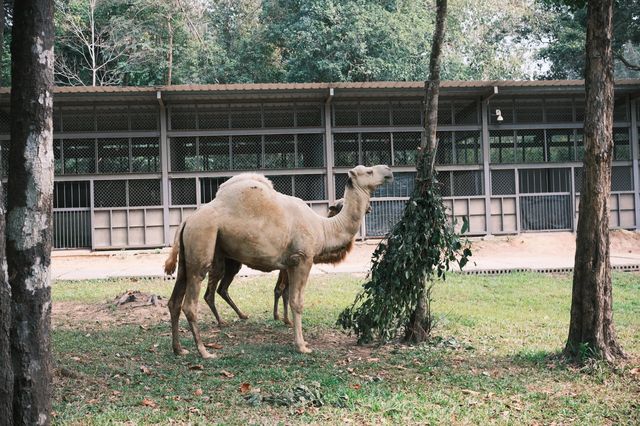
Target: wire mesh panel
(209,188)
(4,120)
(506,111)
(112,118)
(405,148)
(530,146)
(466,112)
(246,116)
(309,115)
(183,192)
(345,114)
(110,193)
(214,153)
(621,109)
(310,150)
(279,151)
(213,117)
(182,117)
(282,184)
(144,192)
(558,110)
(113,155)
(184,154)
(310,187)
(621,143)
(406,113)
(503,182)
(346,149)
(279,115)
(376,148)
(144,117)
(560,145)
(78,119)
(383,217)
(502,146)
(145,155)
(621,178)
(529,110)
(375,114)
(78,156)
(4,158)
(246,152)
(340,181)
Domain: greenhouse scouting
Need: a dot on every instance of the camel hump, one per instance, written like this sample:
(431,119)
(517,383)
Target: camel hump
(246,177)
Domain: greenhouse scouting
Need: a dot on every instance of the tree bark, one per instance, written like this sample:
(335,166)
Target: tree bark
(419,326)
(6,369)
(591,330)
(28,227)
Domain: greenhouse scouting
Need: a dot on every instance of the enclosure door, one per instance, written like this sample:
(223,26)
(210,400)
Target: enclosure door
(71,215)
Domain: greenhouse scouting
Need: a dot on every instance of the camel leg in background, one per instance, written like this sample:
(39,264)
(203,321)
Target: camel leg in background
(215,274)
(298,276)
(231,269)
(281,290)
(284,290)
(190,309)
(175,304)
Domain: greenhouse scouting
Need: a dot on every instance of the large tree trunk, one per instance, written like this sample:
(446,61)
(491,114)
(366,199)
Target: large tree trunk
(591,331)
(419,325)
(6,370)
(28,226)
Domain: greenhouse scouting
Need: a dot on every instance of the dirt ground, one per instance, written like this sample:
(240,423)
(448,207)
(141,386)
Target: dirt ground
(532,251)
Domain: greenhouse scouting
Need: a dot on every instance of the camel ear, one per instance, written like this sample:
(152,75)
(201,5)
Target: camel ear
(352,173)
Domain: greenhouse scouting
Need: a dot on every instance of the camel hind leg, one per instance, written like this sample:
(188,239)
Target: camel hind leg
(215,274)
(231,269)
(175,305)
(190,309)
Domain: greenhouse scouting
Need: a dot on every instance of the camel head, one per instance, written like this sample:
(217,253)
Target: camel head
(370,178)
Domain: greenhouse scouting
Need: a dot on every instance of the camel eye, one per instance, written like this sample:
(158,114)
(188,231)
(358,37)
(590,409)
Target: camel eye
(370,172)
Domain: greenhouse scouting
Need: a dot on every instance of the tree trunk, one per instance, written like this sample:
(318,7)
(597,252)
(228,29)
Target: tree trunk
(170,51)
(6,369)
(28,227)
(591,330)
(419,326)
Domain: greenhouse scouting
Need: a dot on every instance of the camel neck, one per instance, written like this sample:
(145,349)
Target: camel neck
(340,229)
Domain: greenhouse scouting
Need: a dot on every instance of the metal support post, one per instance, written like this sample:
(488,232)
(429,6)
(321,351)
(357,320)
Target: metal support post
(164,166)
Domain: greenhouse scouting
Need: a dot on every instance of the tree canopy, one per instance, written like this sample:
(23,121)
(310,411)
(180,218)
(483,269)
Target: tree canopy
(152,42)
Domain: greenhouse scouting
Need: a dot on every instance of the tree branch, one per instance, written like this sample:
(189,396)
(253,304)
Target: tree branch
(629,65)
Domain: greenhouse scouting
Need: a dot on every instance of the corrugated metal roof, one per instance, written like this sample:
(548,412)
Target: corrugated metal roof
(260,87)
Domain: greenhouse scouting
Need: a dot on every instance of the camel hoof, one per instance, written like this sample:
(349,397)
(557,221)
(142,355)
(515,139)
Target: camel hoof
(243,317)
(304,349)
(287,322)
(222,323)
(208,355)
(276,317)
(180,352)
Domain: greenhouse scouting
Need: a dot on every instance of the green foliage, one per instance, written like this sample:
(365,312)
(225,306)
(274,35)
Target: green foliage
(564,34)
(419,249)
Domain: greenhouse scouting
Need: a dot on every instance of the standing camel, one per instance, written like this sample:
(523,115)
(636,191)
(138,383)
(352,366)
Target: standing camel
(255,225)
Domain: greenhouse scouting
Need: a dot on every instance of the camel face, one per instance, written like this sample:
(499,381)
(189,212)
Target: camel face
(370,178)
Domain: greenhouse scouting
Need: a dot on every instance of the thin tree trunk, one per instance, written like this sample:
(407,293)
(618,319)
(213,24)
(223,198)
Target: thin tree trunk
(419,325)
(170,52)
(6,369)
(28,227)
(591,330)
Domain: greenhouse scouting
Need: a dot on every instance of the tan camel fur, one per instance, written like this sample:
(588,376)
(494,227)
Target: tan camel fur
(253,224)
(231,267)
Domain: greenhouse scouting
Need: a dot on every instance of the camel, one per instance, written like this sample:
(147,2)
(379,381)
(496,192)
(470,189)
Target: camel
(255,225)
(231,268)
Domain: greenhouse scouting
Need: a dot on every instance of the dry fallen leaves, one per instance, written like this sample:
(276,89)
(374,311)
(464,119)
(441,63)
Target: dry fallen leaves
(213,345)
(149,403)
(226,374)
(198,392)
(244,388)
(196,367)
(356,386)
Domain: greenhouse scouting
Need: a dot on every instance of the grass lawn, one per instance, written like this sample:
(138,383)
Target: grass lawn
(493,359)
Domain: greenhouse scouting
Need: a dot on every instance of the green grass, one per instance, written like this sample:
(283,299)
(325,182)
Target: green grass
(493,360)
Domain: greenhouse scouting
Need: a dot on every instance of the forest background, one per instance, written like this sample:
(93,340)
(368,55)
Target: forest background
(162,42)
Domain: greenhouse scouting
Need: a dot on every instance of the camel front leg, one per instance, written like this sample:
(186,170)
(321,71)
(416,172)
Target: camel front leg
(190,309)
(298,276)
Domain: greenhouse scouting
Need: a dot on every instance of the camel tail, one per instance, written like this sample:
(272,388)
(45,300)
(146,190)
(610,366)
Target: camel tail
(170,263)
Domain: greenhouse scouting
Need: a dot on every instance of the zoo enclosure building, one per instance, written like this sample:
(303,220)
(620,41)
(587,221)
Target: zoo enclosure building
(132,162)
